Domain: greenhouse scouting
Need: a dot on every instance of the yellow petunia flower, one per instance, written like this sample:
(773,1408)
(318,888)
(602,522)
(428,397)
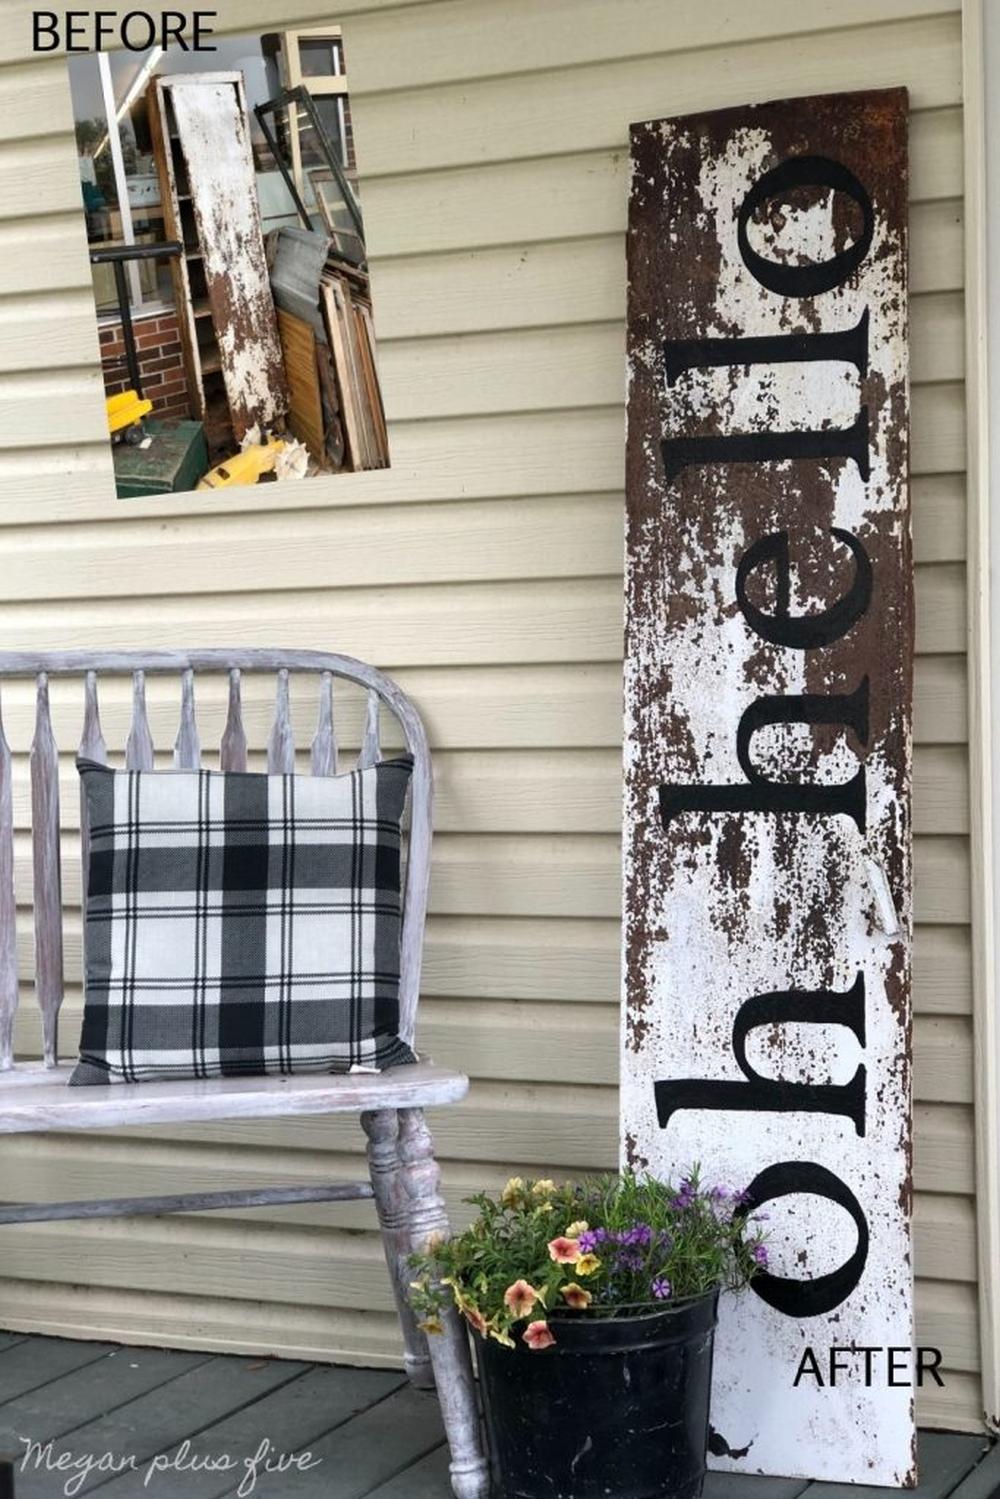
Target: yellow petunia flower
(544,1188)
(586,1264)
(513,1191)
(576,1229)
(576,1297)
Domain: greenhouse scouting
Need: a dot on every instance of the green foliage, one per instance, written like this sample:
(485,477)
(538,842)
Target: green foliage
(605,1246)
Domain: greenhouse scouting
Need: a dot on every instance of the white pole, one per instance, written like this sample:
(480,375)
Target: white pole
(118,164)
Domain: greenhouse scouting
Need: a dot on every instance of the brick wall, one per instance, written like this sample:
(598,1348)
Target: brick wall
(161,366)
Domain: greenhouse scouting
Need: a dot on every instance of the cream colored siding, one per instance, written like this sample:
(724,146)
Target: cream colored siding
(483,571)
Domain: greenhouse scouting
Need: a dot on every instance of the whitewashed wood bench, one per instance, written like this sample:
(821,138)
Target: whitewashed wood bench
(404,1176)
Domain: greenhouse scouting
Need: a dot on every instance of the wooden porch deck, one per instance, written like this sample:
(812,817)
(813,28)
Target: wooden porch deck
(366,1433)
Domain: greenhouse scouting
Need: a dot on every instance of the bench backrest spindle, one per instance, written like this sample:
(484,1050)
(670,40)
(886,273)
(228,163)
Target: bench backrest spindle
(8,909)
(371,752)
(92,747)
(47,870)
(139,753)
(324,746)
(281,744)
(187,746)
(233,751)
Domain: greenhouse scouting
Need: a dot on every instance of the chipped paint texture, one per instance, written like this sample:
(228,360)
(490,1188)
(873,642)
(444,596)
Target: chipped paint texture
(212,127)
(723,906)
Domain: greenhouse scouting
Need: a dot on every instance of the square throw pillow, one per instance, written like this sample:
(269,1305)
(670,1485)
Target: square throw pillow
(240,923)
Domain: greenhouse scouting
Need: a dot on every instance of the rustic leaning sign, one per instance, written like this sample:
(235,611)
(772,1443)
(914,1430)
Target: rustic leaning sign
(769,643)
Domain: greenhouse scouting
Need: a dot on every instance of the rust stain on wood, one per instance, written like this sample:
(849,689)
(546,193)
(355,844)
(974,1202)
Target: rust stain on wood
(769,639)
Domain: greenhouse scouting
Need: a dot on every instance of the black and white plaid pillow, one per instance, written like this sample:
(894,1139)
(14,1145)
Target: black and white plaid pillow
(240,923)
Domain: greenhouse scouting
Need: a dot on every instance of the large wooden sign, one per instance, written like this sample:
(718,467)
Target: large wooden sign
(767,776)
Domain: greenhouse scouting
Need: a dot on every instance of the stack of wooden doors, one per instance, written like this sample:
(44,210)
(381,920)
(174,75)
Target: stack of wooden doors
(229,331)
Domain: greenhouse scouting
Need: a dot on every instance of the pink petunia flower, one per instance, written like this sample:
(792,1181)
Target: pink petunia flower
(538,1335)
(475,1318)
(564,1251)
(520,1297)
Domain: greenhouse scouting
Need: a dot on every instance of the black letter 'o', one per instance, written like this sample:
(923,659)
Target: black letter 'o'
(808,1298)
(806,280)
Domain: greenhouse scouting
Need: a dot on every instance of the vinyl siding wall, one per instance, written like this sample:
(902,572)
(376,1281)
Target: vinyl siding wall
(484,572)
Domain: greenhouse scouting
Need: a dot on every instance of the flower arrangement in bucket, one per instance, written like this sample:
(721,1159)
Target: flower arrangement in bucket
(595,1306)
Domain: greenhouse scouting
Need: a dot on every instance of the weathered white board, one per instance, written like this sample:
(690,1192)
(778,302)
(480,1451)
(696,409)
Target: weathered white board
(767,746)
(212,126)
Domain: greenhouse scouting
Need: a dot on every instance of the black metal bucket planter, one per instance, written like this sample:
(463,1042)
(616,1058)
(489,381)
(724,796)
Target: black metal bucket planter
(617,1408)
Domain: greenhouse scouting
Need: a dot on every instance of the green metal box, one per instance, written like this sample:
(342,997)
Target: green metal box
(175,460)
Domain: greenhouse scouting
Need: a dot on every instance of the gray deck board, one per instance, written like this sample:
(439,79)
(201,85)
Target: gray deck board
(101,1385)
(31,1362)
(291,1418)
(369,1435)
(984,1481)
(160,1419)
(943,1460)
(366,1452)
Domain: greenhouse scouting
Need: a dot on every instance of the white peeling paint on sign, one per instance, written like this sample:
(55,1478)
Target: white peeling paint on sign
(768,882)
(212,127)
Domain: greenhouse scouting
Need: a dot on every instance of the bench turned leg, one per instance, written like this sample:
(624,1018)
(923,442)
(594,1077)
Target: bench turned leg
(392,1204)
(449,1350)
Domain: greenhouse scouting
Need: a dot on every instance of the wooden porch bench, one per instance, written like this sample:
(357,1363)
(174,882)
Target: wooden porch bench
(404,1176)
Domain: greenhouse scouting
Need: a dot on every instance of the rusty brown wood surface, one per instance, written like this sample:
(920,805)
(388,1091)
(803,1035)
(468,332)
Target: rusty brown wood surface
(769,640)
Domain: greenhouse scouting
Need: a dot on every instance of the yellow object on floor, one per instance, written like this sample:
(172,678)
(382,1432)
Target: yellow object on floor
(245,467)
(126,409)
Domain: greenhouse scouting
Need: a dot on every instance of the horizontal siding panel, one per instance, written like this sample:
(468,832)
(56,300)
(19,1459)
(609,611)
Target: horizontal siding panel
(41,175)
(510,370)
(584,365)
(400,51)
(551,960)
(214,1324)
(43,1168)
(44,255)
(545,536)
(538,1126)
(570,271)
(579,875)
(580,790)
(531,622)
(473,291)
(533,453)
(589,108)
(563,196)
(504,1041)
(472,707)
(518,284)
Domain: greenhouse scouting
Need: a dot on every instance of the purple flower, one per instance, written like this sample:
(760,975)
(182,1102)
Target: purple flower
(759,1253)
(591,1239)
(639,1233)
(685,1195)
(629,1259)
(660,1288)
(720,1194)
